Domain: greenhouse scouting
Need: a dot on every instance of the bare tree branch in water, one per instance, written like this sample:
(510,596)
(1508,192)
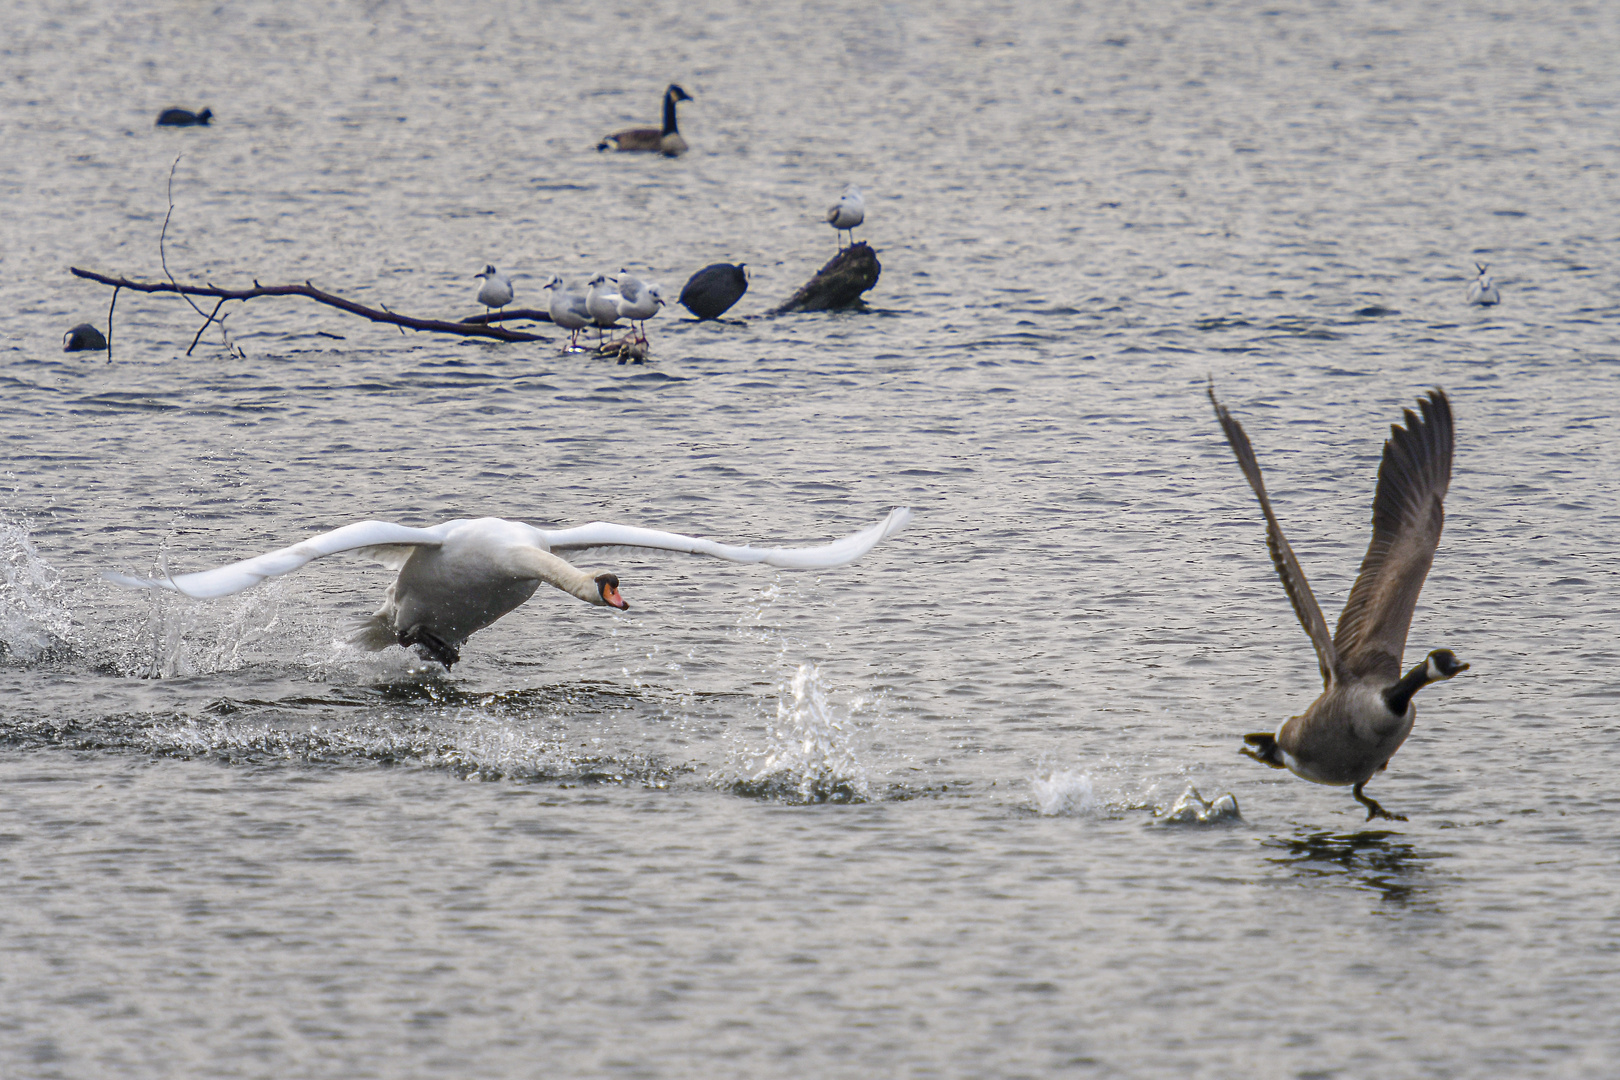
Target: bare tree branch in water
(470,328)
(474,326)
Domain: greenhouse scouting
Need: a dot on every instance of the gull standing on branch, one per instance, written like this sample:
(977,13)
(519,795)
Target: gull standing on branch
(1483,290)
(459,577)
(568,309)
(603,305)
(848,212)
(638,301)
(1365,710)
(496,291)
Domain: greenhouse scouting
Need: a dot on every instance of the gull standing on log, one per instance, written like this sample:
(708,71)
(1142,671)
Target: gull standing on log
(568,309)
(638,301)
(848,212)
(496,291)
(603,305)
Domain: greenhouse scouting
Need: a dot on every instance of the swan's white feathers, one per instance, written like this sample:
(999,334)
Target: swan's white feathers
(392,545)
(382,540)
(838,553)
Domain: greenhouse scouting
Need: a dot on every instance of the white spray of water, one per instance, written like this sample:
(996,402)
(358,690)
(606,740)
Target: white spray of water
(1064,793)
(809,755)
(34,615)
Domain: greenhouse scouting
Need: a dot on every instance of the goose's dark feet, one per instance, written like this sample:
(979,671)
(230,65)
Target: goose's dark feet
(432,646)
(1373,809)
(1263,748)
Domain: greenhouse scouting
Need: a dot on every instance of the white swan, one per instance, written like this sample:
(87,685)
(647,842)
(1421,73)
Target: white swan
(459,577)
(496,291)
(848,212)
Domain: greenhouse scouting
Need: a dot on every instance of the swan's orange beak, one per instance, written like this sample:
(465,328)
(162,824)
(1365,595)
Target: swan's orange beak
(610,593)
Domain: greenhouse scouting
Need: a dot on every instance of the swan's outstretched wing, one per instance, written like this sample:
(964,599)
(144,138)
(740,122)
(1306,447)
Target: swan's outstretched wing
(837,553)
(1407,519)
(1282,556)
(360,536)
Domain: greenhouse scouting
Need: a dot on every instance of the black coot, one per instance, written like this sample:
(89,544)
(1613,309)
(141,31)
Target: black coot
(183,117)
(711,291)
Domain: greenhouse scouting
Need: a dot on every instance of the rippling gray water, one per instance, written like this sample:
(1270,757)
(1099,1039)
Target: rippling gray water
(906,818)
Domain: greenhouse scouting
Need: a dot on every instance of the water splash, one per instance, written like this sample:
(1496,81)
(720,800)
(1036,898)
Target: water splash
(1193,809)
(1064,793)
(178,636)
(809,756)
(35,621)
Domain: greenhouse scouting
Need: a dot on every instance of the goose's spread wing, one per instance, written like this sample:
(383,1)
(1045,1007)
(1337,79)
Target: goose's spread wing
(1282,556)
(837,553)
(388,543)
(1407,519)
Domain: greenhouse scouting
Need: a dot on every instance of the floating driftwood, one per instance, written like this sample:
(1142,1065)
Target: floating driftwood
(839,284)
(477,326)
(520,314)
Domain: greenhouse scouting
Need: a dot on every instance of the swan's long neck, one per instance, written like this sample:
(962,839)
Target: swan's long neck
(539,565)
(669,112)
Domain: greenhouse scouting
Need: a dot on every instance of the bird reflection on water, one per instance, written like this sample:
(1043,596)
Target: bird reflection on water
(1395,869)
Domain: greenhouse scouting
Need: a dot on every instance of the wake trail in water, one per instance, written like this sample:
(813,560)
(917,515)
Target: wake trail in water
(36,622)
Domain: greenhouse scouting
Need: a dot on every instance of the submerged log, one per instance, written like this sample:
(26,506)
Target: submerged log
(839,284)
(436,326)
(520,314)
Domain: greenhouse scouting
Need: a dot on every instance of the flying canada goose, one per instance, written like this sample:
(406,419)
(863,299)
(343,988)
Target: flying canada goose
(459,577)
(496,291)
(848,212)
(1482,290)
(652,140)
(1365,711)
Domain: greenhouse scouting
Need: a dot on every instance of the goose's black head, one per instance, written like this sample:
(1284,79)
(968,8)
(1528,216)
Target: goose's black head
(608,586)
(205,116)
(677,93)
(1443,664)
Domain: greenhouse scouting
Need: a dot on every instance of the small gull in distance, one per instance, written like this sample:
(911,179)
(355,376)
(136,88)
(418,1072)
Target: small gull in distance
(638,301)
(603,305)
(496,291)
(848,212)
(1483,290)
(568,309)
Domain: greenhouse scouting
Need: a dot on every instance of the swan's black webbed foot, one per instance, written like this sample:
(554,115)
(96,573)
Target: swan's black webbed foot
(432,645)
(1263,748)
(1373,809)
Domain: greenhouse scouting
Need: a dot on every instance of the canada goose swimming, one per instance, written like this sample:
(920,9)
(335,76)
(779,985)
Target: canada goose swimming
(603,304)
(848,212)
(667,141)
(184,118)
(496,291)
(568,309)
(1365,711)
(1483,290)
(638,301)
(711,291)
(459,577)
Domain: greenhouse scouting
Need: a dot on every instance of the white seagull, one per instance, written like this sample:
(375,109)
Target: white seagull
(638,300)
(568,309)
(1483,290)
(603,305)
(848,212)
(459,577)
(496,291)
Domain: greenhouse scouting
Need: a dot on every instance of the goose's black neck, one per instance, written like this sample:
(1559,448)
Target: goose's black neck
(669,112)
(1399,696)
